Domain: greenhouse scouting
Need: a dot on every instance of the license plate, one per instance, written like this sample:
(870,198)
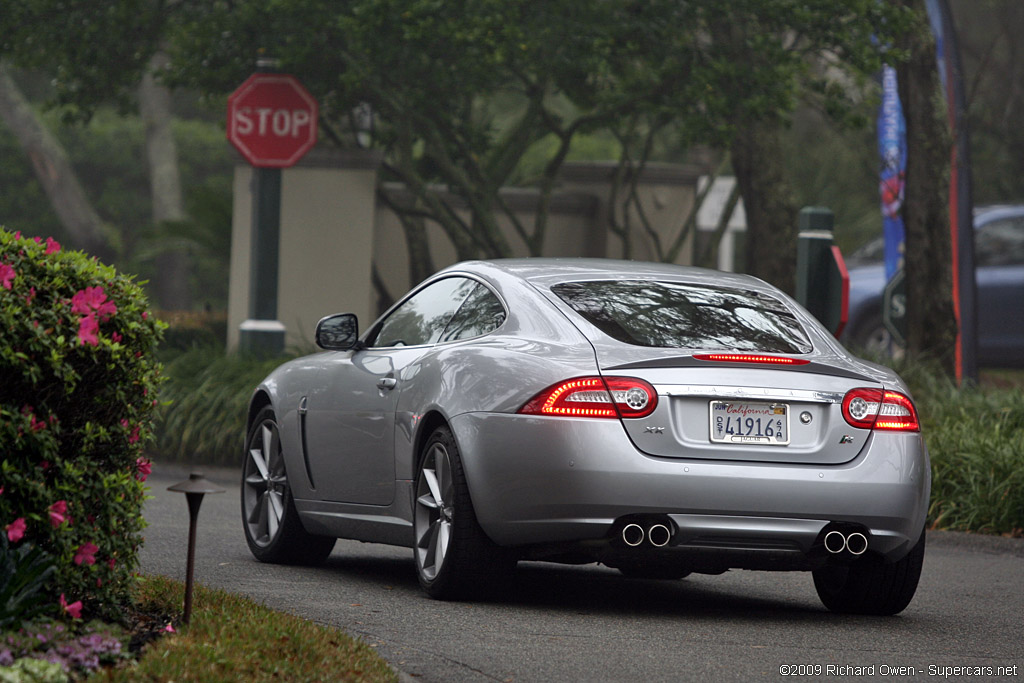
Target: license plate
(758,424)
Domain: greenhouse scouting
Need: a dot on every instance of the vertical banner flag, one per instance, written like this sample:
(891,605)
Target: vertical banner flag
(892,149)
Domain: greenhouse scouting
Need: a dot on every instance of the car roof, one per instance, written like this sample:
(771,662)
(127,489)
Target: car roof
(862,255)
(984,214)
(548,271)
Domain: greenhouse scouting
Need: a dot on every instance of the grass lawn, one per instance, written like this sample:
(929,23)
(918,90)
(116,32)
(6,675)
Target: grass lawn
(231,638)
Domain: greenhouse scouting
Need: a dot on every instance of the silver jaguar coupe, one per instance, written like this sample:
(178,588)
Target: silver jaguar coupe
(657,419)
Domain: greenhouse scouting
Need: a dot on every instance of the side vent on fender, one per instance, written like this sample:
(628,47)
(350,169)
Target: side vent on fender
(302,437)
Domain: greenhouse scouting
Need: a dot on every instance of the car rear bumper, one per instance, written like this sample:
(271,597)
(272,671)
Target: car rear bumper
(540,480)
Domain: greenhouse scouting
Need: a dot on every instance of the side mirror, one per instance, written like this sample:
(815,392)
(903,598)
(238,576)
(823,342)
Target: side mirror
(338,332)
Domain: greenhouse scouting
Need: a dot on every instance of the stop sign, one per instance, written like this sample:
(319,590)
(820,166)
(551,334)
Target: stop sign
(272,120)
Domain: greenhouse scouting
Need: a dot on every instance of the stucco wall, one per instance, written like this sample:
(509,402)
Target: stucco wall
(334,230)
(327,214)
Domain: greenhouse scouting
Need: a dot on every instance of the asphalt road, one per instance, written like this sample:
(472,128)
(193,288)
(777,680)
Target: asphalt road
(557,623)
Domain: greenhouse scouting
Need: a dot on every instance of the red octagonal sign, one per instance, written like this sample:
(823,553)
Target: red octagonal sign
(272,120)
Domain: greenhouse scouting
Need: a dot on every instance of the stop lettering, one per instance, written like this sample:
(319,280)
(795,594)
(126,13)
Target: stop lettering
(272,120)
(265,121)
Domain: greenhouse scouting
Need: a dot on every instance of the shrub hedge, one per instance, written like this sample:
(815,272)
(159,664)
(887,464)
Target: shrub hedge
(78,381)
(975,436)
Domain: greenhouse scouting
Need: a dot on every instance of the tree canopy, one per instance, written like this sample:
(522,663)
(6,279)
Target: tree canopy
(455,93)
(95,51)
(459,91)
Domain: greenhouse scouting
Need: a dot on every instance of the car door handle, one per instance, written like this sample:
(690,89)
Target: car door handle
(386,383)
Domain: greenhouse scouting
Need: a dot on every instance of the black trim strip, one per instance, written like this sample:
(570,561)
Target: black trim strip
(812,367)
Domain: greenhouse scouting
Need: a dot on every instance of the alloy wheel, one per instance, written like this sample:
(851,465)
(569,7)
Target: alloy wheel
(265,484)
(435,511)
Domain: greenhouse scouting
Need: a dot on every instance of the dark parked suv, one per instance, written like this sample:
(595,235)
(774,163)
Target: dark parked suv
(999,257)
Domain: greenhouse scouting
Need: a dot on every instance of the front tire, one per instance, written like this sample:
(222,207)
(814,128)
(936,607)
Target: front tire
(272,526)
(870,585)
(454,557)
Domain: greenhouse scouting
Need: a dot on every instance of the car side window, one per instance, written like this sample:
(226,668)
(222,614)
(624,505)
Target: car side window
(1000,243)
(422,318)
(481,313)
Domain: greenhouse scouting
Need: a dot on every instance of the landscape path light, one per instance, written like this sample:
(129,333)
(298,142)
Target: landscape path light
(194,488)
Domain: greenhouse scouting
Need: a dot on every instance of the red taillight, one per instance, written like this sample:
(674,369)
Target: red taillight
(878,409)
(595,397)
(898,413)
(750,358)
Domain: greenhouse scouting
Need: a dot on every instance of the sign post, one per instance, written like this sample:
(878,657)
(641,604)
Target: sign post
(272,122)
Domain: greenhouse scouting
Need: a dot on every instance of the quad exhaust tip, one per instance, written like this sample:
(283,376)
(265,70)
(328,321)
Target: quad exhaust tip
(632,535)
(855,543)
(835,542)
(657,535)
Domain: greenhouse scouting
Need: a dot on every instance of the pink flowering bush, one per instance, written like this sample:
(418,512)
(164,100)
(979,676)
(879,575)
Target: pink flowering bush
(78,380)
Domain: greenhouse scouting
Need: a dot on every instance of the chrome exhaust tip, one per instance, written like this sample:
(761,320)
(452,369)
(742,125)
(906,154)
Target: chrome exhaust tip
(632,535)
(659,535)
(835,542)
(857,543)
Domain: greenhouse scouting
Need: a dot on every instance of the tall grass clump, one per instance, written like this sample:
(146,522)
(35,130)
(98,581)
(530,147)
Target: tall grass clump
(975,436)
(204,402)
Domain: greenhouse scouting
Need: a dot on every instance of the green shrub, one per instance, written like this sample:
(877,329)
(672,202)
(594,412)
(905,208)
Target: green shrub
(976,441)
(24,574)
(975,437)
(77,391)
(204,402)
(189,330)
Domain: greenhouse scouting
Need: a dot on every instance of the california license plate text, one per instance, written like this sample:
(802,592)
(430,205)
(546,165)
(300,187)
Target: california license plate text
(765,424)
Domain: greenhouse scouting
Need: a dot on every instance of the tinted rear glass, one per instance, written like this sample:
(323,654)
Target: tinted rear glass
(674,315)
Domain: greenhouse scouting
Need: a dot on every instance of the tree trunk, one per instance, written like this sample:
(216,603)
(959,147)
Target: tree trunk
(53,170)
(771,210)
(173,291)
(421,263)
(931,324)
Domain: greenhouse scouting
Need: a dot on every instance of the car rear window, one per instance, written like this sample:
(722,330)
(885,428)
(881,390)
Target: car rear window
(690,316)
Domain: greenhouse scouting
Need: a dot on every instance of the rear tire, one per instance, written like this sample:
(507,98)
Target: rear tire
(454,557)
(272,526)
(870,585)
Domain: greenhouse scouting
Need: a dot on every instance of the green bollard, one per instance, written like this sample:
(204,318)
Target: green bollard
(822,285)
